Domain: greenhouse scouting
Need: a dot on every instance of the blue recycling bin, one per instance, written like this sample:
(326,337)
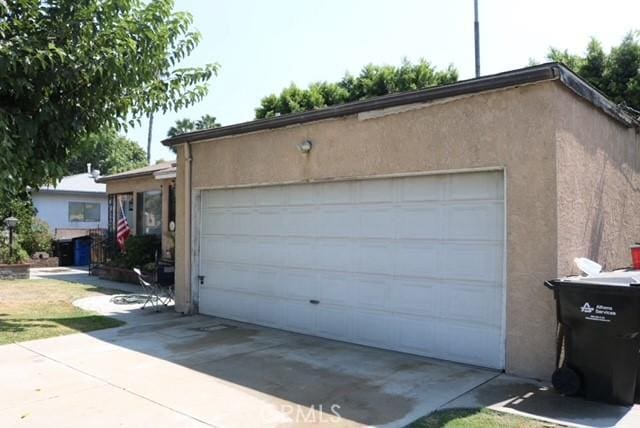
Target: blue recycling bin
(82,252)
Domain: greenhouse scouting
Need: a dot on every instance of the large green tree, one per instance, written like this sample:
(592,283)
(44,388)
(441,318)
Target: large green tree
(106,151)
(616,73)
(373,80)
(70,68)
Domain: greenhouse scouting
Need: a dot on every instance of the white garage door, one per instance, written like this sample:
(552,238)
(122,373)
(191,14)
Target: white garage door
(410,264)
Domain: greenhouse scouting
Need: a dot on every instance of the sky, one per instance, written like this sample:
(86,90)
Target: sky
(263,46)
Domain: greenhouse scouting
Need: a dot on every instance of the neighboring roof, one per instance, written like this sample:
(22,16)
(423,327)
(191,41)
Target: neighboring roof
(533,74)
(69,234)
(140,172)
(78,183)
(166,173)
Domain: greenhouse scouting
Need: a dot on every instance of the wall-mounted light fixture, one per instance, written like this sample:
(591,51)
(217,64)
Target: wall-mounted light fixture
(305,146)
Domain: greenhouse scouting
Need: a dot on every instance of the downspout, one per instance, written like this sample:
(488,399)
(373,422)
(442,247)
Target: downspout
(188,226)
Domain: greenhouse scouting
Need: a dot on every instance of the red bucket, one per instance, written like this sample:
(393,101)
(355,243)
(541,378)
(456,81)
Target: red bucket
(635,256)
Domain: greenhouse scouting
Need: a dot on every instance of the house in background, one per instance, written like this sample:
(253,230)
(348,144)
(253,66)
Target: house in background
(74,206)
(146,196)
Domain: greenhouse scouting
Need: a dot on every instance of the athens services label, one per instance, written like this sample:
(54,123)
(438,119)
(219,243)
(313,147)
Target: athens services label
(598,313)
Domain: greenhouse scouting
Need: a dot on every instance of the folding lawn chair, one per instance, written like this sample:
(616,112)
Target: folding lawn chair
(150,289)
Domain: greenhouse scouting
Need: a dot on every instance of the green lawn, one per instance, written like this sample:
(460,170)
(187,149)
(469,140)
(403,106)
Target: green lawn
(477,418)
(36,309)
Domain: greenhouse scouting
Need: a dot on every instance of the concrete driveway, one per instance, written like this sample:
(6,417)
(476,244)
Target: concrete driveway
(166,370)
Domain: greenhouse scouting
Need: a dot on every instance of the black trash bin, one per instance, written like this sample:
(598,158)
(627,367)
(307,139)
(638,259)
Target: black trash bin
(165,273)
(599,339)
(64,252)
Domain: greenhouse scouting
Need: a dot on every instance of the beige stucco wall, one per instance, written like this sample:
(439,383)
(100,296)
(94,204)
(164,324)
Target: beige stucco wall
(513,128)
(598,187)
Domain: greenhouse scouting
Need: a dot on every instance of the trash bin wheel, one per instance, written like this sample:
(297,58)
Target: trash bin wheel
(566,381)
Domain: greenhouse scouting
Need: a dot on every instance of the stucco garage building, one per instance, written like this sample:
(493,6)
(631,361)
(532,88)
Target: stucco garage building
(422,222)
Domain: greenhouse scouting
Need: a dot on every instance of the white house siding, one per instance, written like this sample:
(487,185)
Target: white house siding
(54,209)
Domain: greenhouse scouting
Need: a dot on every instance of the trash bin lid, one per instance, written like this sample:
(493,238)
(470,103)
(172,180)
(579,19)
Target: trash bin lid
(620,278)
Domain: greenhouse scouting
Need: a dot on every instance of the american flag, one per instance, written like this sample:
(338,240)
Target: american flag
(123,230)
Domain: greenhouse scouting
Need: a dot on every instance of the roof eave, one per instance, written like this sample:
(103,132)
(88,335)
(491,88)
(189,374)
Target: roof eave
(75,192)
(109,178)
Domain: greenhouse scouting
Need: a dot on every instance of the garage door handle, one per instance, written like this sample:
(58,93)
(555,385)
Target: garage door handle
(314,302)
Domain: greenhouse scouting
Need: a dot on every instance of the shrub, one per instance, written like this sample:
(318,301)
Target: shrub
(36,238)
(19,255)
(142,249)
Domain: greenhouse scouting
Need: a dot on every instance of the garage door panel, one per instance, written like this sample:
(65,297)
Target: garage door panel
(334,322)
(373,328)
(482,346)
(371,292)
(238,249)
(268,251)
(337,222)
(419,298)
(240,278)
(243,221)
(216,222)
(300,194)
(376,191)
(218,275)
(337,289)
(375,256)
(419,335)
(475,221)
(274,196)
(476,185)
(412,264)
(335,193)
(270,222)
(478,303)
(420,259)
(268,312)
(473,261)
(300,252)
(421,221)
(300,284)
(264,280)
(300,317)
(214,248)
(335,254)
(243,197)
(420,189)
(376,221)
(300,221)
(217,199)
(228,304)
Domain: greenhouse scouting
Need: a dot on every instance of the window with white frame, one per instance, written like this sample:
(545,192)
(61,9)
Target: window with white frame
(84,211)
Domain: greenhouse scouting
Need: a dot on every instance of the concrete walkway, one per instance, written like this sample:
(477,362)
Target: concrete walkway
(538,400)
(167,370)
